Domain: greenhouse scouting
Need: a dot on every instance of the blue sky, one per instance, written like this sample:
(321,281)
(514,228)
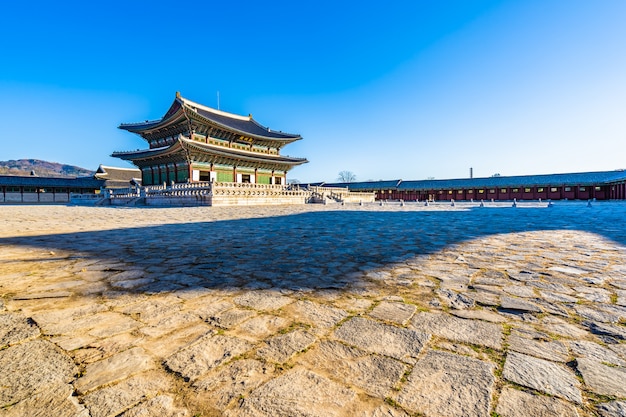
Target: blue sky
(397,89)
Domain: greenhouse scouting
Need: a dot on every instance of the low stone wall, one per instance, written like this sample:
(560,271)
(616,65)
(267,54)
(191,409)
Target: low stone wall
(33,198)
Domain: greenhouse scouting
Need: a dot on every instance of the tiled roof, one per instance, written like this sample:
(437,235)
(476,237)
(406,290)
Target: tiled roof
(117,174)
(32,181)
(245,125)
(579,178)
(555,180)
(248,125)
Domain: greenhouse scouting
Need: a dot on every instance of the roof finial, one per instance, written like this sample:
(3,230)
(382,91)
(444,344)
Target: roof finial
(178,94)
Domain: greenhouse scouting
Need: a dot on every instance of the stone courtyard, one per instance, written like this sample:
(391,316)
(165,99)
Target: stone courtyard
(368,311)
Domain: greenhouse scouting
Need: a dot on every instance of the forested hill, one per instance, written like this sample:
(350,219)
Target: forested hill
(42,168)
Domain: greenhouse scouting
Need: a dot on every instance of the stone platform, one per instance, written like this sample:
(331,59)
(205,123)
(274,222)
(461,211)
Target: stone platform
(318,310)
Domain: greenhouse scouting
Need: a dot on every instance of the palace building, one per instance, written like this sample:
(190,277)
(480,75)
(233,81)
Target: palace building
(196,143)
(601,185)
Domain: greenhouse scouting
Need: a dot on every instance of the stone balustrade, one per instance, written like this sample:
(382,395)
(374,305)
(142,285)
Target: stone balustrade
(227,194)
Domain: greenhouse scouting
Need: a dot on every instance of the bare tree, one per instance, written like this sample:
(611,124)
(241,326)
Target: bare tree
(346,176)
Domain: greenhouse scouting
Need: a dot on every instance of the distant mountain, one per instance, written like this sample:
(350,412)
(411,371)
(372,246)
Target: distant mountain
(42,168)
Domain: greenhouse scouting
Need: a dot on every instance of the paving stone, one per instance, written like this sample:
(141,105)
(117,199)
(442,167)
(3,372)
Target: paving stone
(596,314)
(113,400)
(549,350)
(31,368)
(169,323)
(555,297)
(229,318)
(113,369)
(321,317)
(460,330)
(567,270)
(166,345)
(205,354)
(374,374)
(298,393)
(519,291)
(260,327)
(162,406)
(455,300)
(446,384)
(15,328)
(395,312)
(542,375)
(384,411)
(516,403)
(511,303)
(485,298)
(602,379)
(282,347)
(233,381)
(562,328)
(594,351)
(208,307)
(399,343)
(612,409)
(595,295)
(614,331)
(263,300)
(56,401)
(485,315)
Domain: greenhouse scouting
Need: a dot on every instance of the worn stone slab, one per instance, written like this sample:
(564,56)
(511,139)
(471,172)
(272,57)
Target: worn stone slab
(519,304)
(321,317)
(399,343)
(550,350)
(593,294)
(162,406)
(485,298)
(282,347)
(33,367)
(229,318)
(594,313)
(205,354)
(114,368)
(263,300)
(446,384)
(298,393)
(542,375)
(460,330)
(612,409)
(399,313)
(166,345)
(603,379)
(563,328)
(520,291)
(555,297)
(233,381)
(56,401)
(374,374)
(113,400)
(603,329)
(594,351)
(175,321)
(15,328)
(384,410)
(260,326)
(455,300)
(516,403)
(485,315)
